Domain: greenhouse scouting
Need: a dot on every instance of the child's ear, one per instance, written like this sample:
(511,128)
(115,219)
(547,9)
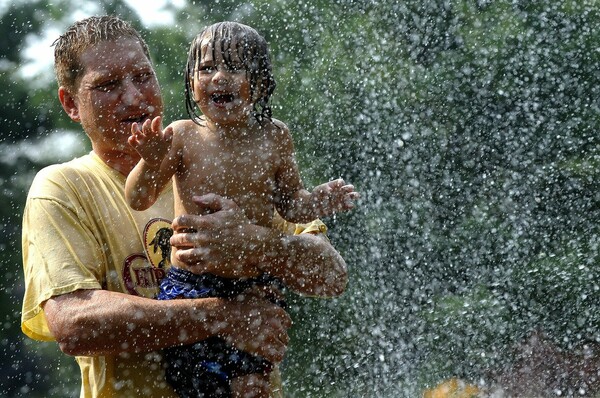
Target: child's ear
(69,104)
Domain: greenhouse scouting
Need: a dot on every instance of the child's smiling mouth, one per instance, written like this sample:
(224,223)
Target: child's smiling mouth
(222,98)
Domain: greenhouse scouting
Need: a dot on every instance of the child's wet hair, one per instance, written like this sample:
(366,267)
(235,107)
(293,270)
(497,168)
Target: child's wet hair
(250,48)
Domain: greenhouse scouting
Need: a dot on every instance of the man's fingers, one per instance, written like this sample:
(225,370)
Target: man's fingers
(278,342)
(275,351)
(260,328)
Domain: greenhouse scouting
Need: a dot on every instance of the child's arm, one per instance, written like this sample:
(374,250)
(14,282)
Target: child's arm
(325,200)
(330,198)
(157,164)
(296,204)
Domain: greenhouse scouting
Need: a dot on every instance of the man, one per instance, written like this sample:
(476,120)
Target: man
(92,264)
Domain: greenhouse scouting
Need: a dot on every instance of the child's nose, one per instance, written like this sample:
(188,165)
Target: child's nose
(221,77)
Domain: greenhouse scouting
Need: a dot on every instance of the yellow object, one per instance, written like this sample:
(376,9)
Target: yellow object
(453,388)
(313,227)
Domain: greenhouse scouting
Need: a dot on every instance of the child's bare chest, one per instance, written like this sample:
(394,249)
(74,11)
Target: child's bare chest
(245,173)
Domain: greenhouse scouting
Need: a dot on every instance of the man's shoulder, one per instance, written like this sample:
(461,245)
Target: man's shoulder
(62,170)
(61,176)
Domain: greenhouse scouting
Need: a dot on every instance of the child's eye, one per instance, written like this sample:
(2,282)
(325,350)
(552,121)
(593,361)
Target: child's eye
(206,69)
(236,68)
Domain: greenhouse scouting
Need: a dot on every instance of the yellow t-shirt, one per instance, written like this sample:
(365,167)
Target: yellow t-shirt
(79,233)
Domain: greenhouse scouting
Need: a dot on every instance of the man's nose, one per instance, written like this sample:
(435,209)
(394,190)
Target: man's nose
(132,94)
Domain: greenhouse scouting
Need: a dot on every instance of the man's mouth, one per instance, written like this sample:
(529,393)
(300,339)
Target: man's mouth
(138,119)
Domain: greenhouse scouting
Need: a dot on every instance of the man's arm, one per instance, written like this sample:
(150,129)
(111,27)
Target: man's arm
(306,263)
(100,322)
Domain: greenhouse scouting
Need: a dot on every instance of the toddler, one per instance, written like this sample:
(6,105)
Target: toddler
(234,148)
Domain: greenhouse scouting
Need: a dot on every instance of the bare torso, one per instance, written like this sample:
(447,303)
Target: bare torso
(243,168)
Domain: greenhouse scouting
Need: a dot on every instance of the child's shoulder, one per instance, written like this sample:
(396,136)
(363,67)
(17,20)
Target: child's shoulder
(186,127)
(279,125)
(185,131)
(277,129)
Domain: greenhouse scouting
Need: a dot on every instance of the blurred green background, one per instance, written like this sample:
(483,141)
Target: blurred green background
(469,127)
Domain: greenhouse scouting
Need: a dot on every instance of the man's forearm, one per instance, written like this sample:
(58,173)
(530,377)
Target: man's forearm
(306,263)
(100,322)
(224,237)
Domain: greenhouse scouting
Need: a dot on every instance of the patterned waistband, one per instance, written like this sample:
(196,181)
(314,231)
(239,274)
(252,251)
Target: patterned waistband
(180,283)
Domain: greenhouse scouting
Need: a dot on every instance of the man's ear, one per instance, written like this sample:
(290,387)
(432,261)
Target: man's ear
(69,104)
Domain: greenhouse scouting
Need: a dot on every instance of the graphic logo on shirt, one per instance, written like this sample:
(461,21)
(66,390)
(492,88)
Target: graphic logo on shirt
(157,244)
(143,271)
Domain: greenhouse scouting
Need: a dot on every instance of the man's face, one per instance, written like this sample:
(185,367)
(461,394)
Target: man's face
(118,87)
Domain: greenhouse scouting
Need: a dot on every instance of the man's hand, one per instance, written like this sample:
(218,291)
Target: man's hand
(218,241)
(255,325)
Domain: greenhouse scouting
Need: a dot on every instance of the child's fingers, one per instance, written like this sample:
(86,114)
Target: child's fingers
(136,135)
(336,184)
(347,188)
(349,205)
(156,124)
(353,195)
(168,133)
(135,128)
(147,126)
(132,140)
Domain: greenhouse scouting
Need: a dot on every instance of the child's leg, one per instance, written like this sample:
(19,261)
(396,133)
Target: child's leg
(255,385)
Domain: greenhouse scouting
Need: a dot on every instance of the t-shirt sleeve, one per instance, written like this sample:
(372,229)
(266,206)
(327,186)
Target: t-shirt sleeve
(314,227)
(60,255)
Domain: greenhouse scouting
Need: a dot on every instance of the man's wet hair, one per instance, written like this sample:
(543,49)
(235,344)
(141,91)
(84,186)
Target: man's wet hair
(82,35)
(252,51)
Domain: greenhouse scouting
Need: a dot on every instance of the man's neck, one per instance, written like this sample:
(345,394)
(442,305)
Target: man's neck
(120,161)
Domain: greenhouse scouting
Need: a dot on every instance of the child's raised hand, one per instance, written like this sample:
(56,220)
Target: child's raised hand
(334,196)
(150,141)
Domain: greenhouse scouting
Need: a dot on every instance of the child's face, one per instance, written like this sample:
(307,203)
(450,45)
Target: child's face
(221,90)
